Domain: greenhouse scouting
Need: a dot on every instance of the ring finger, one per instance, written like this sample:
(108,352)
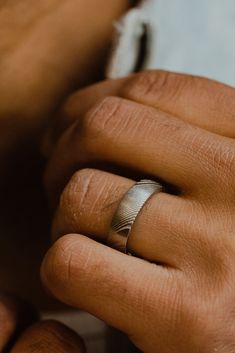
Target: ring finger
(90,200)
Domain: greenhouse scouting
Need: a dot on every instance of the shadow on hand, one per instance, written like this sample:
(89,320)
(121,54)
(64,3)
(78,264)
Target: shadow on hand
(24,224)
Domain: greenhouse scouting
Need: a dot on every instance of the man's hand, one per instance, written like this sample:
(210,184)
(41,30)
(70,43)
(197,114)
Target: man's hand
(178,293)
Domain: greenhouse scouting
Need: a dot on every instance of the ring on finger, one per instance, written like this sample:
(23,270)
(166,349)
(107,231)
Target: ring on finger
(127,212)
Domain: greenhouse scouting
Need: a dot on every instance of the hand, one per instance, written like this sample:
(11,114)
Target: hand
(19,335)
(177,295)
(46,49)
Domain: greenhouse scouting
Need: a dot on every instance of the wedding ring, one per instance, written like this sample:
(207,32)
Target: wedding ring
(127,212)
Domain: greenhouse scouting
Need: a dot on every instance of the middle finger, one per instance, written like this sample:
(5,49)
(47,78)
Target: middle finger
(130,135)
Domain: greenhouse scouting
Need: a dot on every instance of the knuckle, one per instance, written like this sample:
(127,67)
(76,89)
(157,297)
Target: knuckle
(145,83)
(102,117)
(74,202)
(58,263)
(77,191)
(77,188)
(155,85)
(71,260)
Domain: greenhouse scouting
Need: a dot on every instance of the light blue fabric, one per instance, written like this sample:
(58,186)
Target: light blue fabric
(196,37)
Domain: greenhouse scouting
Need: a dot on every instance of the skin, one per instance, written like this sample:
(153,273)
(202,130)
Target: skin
(177,293)
(47,49)
(19,333)
(33,52)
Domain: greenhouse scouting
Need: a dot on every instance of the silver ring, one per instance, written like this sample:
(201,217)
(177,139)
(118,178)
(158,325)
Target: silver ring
(127,212)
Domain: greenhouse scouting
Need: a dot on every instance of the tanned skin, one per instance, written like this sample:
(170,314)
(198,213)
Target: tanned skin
(47,49)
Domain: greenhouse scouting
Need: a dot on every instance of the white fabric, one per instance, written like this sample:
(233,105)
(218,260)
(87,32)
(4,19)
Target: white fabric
(127,39)
(195,37)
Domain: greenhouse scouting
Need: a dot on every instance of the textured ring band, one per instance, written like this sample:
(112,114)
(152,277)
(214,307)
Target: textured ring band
(128,210)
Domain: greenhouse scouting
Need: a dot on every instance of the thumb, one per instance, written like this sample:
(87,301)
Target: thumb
(49,337)
(15,315)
